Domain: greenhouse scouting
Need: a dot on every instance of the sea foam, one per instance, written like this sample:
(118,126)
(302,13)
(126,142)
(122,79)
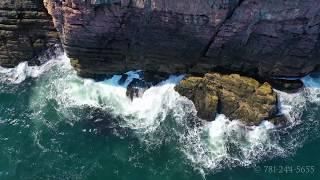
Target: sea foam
(22,71)
(213,145)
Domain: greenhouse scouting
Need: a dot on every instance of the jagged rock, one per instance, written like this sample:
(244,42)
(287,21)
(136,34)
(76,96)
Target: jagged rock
(123,79)
(235,96)
(136,88)
(253,37)
(26,30)
(279,120)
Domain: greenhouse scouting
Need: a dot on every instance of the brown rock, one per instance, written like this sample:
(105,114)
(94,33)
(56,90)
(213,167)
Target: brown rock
(204,97)
(235,96)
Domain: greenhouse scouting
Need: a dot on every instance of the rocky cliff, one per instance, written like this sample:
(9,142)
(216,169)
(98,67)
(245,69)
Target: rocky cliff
(26,30)
(253,37)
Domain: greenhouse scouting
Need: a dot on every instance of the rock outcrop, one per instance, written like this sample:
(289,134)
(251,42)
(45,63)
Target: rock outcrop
(235,96)
(253,37)
(26,30)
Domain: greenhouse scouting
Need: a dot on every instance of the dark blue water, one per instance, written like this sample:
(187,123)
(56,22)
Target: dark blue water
(55,125)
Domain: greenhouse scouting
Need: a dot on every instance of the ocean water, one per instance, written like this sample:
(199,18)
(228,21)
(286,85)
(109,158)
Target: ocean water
(56,125)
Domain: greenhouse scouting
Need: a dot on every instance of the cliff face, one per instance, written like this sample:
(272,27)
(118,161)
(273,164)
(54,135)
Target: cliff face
(26,30)
(254,37)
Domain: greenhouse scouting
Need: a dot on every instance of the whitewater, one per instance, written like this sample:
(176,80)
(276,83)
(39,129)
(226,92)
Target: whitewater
(162,116)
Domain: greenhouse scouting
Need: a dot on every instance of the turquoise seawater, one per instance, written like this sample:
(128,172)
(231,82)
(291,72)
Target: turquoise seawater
(56,125)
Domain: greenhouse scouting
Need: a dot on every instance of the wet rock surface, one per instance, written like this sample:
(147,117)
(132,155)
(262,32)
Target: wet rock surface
(26,31)
(136,88)
(254,37)
(235,96)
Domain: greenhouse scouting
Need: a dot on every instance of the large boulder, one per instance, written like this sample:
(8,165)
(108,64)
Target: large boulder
(26,30)
(264,38)
(235,96)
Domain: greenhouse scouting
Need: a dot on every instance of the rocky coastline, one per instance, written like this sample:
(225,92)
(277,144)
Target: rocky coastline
(233,52)
(257,38)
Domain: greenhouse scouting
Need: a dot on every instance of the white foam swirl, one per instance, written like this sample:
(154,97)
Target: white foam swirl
(22,71)
(225,143)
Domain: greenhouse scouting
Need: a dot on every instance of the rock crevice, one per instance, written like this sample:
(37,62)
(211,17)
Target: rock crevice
(212,39)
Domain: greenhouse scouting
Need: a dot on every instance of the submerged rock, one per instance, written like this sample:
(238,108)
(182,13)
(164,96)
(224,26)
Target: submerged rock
(235,96)
(100,121)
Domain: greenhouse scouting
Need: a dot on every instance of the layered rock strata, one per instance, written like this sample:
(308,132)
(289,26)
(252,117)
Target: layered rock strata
(26,30)
(235,96)
(252,37)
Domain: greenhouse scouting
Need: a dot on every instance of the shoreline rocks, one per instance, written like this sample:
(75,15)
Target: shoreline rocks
(136,88)
(235,96)
(261,39)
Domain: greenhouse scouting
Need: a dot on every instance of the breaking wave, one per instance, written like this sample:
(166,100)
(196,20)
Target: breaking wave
(23,71)
(162,115)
